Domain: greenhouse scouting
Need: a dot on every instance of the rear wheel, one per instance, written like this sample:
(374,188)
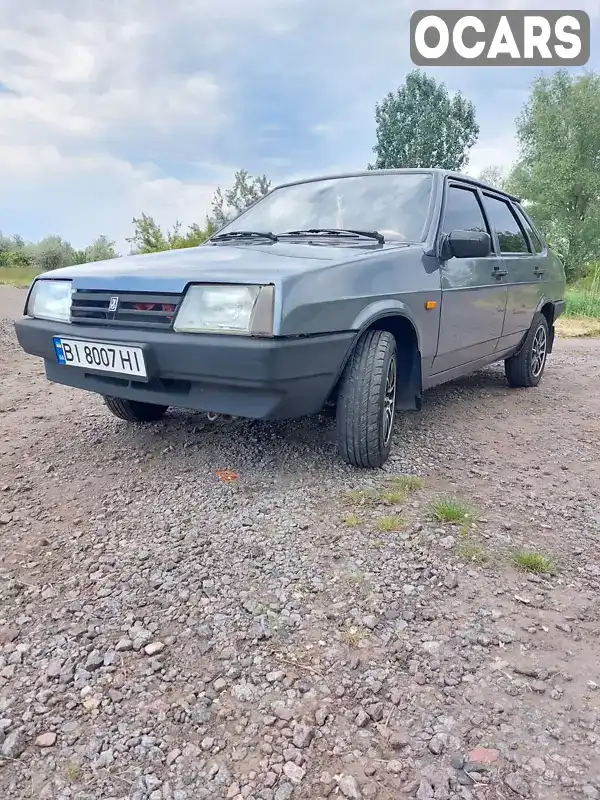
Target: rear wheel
(526,367)
(134,411)
(367,401)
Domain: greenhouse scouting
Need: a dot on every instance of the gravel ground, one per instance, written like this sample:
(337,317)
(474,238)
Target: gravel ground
(307,630)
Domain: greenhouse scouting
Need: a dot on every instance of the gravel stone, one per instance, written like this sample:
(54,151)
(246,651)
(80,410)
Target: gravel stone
(349,787)
(294,772)
(154,648)
(46,739)
(14,744)
(200,638)
(518,784)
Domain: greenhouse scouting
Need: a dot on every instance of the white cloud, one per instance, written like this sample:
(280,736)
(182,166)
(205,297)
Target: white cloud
(112,108)
(87,195)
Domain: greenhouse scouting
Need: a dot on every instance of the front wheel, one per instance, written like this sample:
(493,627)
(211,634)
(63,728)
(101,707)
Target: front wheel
(526,367)
(134,411)
(367,401)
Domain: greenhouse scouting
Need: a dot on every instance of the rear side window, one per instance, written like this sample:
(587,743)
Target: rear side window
(535,239)
(511,237)
(463,212)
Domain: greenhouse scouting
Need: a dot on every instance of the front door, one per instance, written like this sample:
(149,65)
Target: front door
(473,289)
(520,263)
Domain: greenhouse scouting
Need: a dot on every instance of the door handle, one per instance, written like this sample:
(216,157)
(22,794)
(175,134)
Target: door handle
(499,273)
(539,271)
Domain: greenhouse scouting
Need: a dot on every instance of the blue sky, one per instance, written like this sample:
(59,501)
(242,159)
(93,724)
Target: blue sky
(108,110)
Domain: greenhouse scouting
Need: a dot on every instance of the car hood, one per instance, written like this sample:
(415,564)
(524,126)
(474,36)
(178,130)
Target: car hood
(173,270)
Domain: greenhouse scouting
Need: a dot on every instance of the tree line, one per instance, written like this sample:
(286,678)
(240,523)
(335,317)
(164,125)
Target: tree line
(556,174)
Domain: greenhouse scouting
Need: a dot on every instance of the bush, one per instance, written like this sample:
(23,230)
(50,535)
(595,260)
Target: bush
(583,299)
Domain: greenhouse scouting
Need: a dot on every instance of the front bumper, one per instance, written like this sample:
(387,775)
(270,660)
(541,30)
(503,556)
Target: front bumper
(242,376)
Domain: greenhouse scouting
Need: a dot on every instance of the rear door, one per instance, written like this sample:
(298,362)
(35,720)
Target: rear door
(473,289)
(519,261)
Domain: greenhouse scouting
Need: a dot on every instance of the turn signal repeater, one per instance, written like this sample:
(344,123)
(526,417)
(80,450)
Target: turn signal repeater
(430,304)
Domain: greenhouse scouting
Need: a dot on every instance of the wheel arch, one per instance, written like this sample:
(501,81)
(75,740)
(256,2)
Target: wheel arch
(547,309)
(397,321)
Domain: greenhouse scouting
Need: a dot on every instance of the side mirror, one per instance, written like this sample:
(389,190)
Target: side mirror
(468,244)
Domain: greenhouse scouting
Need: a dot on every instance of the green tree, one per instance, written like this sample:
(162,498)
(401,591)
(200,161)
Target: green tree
(420,125)
(494,175)
(50,253)
(14,252)
(101,249)
(148,236)
(246,190)
(558,169)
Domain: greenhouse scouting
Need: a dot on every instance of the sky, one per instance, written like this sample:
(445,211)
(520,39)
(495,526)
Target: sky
(116,108)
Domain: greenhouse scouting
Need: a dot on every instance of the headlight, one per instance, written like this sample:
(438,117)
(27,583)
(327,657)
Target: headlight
(50,300)
(226,308)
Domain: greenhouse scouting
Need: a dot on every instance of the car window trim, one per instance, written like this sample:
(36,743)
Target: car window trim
(467,187)
(519,253)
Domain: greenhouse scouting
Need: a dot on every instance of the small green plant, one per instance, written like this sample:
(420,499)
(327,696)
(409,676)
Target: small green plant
(395,491)
(407,484)
(352,637)
(449,509)
(391,524)
(363,497)
(73,771)
(531,561)
(471,551)
(378,544)
(392,497)
(352,521)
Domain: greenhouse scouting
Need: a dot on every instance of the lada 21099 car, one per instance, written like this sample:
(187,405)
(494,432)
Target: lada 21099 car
(356,291)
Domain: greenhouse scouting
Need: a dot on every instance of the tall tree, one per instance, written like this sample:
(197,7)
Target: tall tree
(494,175)
(101,249)
(420,125)
(558,170)
(246,190)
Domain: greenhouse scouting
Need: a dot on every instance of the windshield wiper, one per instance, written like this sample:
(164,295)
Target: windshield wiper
(221,237)
(349,233)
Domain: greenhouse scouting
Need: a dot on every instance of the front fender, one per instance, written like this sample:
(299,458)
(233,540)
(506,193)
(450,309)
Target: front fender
(384,308)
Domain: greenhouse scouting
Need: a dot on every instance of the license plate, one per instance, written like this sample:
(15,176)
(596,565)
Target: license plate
(101,356)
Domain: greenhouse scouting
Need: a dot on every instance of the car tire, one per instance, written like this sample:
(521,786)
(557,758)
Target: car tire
(525,368)
(366,401)
(134,411)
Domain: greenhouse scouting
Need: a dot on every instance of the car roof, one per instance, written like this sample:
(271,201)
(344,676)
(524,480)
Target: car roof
(416,171)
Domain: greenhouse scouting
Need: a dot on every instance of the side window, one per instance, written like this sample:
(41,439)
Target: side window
(510,233)
(535,239)
(463,212)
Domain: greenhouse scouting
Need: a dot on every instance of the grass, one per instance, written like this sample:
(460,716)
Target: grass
(407,484)
(352,521)
(353,637)
(577,327)
(18,276)
(73,771)
(583,303)
(395,491)
(391,524)
(451,510)
(582,310)
(530,561)
(469,550)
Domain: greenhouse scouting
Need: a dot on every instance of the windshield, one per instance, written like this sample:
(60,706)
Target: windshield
(394,205)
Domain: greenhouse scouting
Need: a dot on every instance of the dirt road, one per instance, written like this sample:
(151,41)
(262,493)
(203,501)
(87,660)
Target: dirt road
(306,631)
